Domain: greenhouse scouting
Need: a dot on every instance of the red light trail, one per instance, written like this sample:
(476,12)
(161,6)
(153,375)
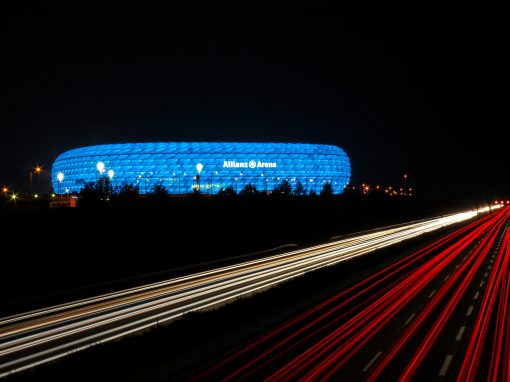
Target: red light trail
(323,342)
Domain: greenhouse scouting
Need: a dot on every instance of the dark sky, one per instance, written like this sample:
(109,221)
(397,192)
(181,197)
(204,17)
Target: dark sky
(418,91)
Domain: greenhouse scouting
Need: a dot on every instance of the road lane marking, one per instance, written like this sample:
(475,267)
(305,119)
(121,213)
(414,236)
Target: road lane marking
(410,318)
(481,284)
(490,266)
(446,365)
(469,311)
(460,333)
(457,266)
(476,295)
(446,278)
(485,275)
(432,294)
(371,362)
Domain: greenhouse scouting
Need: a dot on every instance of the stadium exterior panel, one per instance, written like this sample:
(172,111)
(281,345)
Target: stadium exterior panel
(175,165)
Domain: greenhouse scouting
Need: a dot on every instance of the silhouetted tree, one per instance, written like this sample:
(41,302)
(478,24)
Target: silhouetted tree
(95,194)
(282,189)
(299,190)
(312,193)
(249,190)
(126,192)
(228,192)
(327,190)
(158,190)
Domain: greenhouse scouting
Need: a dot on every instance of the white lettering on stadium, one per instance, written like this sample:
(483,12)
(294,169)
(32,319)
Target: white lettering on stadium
(250,164)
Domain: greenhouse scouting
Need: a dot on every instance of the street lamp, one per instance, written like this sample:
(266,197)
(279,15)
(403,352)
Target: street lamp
(111,173)
(199,168)
(100,168)
(38,170)
(60,178)
(405,181)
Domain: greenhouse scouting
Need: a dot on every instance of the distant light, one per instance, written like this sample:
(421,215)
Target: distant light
(5,189)
(38,169)
(199,167)
(60,177)
(36,196)
(111,173)
(14,196)
(52,195)
(67,190)
(100,167)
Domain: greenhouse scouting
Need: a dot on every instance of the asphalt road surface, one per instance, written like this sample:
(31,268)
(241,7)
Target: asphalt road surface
(31,338)
(440,313)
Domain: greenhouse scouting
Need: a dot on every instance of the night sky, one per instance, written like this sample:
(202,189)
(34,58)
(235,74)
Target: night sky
(416,92)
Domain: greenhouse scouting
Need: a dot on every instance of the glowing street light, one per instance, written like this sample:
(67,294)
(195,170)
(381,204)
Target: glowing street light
(199,168)
(100,167)
(111,173)
(38,170)
(60,178)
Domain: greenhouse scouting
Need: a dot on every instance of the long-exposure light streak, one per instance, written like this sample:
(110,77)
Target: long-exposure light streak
(365,309)
(31,338)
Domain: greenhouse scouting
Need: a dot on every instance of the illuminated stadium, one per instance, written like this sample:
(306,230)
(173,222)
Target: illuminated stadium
(183,167)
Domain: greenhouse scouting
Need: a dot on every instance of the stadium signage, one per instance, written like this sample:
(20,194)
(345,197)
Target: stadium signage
(250,164)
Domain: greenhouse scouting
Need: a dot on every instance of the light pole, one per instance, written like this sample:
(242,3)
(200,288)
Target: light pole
(38,170)
(199,168)
(405,183)
(100,168)
(60,178)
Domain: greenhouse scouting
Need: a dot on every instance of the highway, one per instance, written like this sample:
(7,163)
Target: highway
(32,338)
(440,313)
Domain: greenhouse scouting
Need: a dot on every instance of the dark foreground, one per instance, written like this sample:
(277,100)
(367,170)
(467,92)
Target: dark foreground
(449,298)
(61,255)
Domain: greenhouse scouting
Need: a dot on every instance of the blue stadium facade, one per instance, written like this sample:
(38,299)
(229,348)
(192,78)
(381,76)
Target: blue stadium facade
(176,165)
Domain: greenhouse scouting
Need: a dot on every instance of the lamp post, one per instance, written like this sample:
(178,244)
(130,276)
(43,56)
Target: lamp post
(199,168)
(99,168)
(38,170)
(405,182)
(60,178)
